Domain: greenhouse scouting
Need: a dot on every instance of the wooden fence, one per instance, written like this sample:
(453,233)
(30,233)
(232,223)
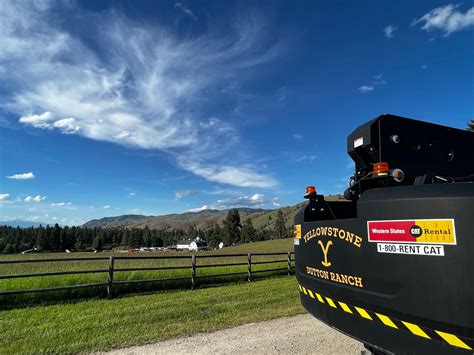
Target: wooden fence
(111,270)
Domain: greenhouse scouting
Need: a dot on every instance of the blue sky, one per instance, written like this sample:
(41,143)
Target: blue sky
(145,107)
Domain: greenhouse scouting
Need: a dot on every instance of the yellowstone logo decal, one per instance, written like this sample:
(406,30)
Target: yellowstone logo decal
(325,250)
(327,246)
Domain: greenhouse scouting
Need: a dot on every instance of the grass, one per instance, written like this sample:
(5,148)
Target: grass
(283,245)
(98,325)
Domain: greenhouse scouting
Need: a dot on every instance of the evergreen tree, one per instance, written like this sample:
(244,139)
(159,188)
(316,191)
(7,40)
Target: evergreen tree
(280,225)
(125,237)
(146,237)
(249,233)
(97,243)
(40,238)
(470,126)
(79,244)
(232,227)
(56,238)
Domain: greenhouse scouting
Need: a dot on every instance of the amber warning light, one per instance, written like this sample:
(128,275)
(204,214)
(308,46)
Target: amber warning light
(381,168)
(310,190)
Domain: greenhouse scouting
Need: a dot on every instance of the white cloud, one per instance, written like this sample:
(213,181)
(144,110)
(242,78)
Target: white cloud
(184,193)
(388,31)
(199,209)
(61,204)
(185,10)
(307,158)
(4,197)
(365,89)
(146,88)
(243,176)
(67,125)
(256,200)
(38,121)
(107,206)
(24,176)
(446,18)
(132,194)
(37,198)
(377,80)
(297,136)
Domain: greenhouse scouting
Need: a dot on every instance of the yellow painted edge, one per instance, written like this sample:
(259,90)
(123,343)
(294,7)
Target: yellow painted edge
(416,330)
(386,320)
(449,338)
(363,313)
(301,289)
(331,302)
(345,307)
(453,340)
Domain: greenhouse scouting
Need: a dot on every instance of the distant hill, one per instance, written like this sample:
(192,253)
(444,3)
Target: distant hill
(21,224)
(202,220)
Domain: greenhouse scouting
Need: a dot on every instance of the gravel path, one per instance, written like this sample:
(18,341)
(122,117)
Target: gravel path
(300,334)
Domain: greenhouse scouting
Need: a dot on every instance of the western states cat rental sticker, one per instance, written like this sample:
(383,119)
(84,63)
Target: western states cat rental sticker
(418,237)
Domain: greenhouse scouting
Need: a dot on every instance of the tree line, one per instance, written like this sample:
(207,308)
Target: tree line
(59,239)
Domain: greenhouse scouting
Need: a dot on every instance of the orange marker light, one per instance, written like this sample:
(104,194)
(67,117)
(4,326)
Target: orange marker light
(310,190)
(381,168)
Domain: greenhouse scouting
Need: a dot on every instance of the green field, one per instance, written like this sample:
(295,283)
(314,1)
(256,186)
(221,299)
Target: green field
(97,325)
(283,245)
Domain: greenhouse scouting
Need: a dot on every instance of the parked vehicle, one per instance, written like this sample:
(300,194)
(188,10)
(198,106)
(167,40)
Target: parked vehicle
(391,266)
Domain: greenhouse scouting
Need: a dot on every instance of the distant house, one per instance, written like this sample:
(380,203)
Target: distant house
(192,245)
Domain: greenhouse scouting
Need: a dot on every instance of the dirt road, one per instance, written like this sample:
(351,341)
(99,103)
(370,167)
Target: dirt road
(300,334)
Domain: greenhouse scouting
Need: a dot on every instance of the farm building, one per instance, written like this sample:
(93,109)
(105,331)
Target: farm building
(192,245)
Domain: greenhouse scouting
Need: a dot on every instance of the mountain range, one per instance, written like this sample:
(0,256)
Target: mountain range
(21,224)
(203,219)
(260,218)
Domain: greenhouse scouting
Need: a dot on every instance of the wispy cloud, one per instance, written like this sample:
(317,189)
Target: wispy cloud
(184,193)
(243,176)
(23,176)
(297,136)
(446,18)
(61,204)
(257,200)
(307,158)
(146,88)
(131,194)
(424,67)
(365,89)
(37,198)
(376,81)
(187,11)
(388,31)
(4,197)
(107,206)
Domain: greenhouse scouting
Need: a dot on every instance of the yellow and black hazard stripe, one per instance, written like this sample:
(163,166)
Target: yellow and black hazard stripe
(421,331)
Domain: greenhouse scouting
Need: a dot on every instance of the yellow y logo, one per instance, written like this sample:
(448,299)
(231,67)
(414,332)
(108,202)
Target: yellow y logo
(325,250)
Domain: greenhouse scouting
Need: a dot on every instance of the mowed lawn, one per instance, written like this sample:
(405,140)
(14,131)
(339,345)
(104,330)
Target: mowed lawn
(99,324)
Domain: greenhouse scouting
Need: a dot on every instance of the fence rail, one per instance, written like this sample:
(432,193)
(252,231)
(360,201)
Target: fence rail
(112,269)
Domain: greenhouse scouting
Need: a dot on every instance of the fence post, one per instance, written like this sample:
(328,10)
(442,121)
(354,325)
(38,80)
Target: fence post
(110,280)
(249,266)
(289,263)
(193,272)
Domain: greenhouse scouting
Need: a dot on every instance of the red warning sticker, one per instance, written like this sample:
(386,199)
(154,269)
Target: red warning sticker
(428,231)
